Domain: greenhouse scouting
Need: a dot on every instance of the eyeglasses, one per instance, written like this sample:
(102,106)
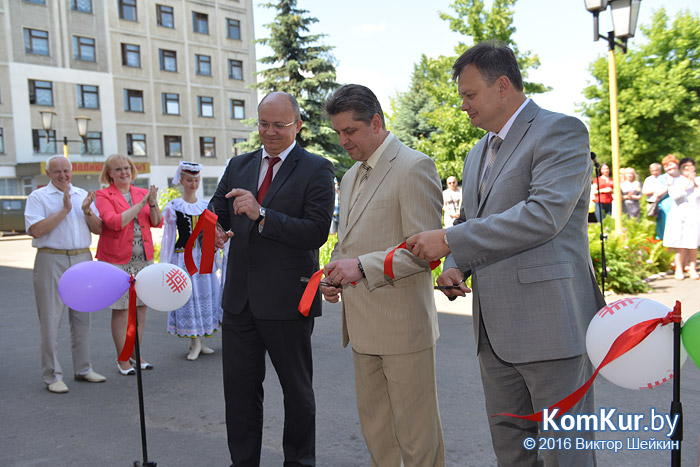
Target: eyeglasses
(277,125)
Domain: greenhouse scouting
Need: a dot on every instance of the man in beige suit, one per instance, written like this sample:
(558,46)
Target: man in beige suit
(393,192)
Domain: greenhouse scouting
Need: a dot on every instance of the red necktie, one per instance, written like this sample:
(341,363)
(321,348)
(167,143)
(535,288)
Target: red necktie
(271,161)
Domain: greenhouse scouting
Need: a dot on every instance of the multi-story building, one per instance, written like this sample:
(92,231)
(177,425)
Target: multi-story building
(160,80)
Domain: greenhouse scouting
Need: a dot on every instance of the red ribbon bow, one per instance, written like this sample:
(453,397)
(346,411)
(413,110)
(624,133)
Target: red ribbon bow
(623,344)
(206,223)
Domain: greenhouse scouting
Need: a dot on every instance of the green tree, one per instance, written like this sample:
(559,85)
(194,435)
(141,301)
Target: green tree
(428,116)
(658,104)
(303,67)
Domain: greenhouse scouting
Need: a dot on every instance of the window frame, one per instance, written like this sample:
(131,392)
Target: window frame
(132,140)
(82,90)
(234,141)
(170,98)
(235,65)
(33,86)
(92,137)
(126,53)
(202,103)
(79,45)
(162,13)
(130,94)
(233,25)
(29,41)
(166,57)
(38,136)
(207,143)
(128,6)
(234,107)
(168,140)
(2,140)
(200,59)
(199,19)
(74,6)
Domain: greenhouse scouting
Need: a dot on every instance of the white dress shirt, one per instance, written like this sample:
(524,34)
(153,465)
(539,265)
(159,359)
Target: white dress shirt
(72,233)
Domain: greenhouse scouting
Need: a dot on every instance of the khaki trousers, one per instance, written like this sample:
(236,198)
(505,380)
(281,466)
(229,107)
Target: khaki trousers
(398,408)
(48,269)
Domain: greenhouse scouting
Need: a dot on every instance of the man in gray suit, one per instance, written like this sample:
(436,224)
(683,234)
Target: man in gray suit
(522,236)
(392,192)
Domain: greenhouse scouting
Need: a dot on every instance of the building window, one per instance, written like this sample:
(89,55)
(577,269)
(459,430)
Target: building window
(136,144)
(41,92)
(168,60)
(87,96)
(84,48)
(94,144)
(205,105)
(173,146)
(203,64)
(234,150)
(237,109)
(40,143)
(38,2)
(209,185)
(2,141)
(36,41)
(235,69)
(200,23)
(233,29)
(165,15)
(84,6)
(131,55)
(171,103)
(133,100)
(207,146)
(127,10)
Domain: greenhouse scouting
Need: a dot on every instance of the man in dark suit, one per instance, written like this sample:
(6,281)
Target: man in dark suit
(276,204)
(522,236)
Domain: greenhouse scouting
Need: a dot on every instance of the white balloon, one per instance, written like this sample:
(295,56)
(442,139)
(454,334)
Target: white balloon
(647,365)
(163,286)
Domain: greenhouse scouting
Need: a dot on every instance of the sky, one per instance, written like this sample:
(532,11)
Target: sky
(377,42)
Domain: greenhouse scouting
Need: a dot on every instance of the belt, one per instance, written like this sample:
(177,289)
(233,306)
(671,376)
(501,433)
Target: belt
(53,251)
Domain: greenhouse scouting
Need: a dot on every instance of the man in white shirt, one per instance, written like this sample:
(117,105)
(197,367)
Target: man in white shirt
(451,199)
(59,218)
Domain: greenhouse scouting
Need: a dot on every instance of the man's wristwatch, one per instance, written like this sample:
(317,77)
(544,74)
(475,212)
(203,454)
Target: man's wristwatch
(362,270)
(261,216)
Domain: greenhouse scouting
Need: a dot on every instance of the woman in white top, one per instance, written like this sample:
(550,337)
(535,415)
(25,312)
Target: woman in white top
(683,224)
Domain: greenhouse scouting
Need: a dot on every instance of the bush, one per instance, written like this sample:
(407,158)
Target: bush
(631,256)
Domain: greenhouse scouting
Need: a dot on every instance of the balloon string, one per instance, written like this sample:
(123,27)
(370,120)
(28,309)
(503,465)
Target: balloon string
(131,324)
(623,344)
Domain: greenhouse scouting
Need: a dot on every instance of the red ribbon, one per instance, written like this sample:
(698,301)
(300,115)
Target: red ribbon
(389,261)
(131,324)
(307,299)
(623,344)
(207,223)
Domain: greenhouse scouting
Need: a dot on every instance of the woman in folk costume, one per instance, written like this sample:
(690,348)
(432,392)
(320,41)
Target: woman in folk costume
(201,315)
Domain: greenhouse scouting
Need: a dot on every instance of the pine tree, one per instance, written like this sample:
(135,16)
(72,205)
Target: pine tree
(303,67)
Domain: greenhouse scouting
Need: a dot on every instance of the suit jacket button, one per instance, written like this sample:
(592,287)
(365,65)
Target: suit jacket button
(252,267)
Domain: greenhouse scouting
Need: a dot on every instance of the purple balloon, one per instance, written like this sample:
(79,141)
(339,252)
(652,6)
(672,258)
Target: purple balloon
(92,285)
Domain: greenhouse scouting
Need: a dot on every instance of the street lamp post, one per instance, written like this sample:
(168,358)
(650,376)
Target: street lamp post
(624,16)
(47,117)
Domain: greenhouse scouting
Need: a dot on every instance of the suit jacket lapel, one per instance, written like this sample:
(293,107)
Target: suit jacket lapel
(515,135)
(471,176)
(376,177)
(253,173)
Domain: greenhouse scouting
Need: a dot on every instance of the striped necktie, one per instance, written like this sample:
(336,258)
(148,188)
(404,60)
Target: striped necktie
(364,175)
(494,145)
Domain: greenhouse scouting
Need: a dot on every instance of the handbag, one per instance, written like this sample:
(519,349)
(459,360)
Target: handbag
(653,208)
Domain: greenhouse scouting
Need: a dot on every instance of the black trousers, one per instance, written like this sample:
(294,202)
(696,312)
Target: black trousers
(245,340)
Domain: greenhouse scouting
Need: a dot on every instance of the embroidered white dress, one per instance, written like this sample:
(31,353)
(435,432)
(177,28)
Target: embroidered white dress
(201,315)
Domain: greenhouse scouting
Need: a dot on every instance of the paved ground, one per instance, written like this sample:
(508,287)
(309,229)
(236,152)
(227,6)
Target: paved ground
(98,424)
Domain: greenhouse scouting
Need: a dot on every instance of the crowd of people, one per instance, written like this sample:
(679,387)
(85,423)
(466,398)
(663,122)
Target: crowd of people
(517,228)
(672,197)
